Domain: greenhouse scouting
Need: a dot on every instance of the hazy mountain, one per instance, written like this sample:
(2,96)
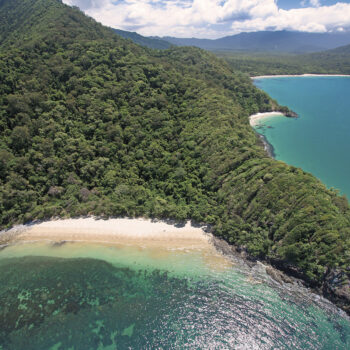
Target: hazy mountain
(342,50)
(278,41)
(153,43)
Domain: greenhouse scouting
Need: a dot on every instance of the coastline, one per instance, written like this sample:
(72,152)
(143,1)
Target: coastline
(159,236)
(256,118)
(254,121)
(270,150)
(299,76)
(139,232)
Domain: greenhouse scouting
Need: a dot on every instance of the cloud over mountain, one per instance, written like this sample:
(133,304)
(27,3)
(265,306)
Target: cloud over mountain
(214,18)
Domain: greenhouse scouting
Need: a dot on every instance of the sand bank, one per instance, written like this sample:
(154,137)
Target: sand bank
(299,75)
(256,118)
(136,232)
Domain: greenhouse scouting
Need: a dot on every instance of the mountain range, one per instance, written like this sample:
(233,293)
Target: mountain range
(269,41)
(264,41)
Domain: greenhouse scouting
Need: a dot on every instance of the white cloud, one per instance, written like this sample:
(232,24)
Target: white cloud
(311,19)
(315,3)
(212,18)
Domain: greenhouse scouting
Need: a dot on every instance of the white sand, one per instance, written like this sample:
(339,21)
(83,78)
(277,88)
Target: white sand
(136,232)
(256,118)
(158,238)
(299,75)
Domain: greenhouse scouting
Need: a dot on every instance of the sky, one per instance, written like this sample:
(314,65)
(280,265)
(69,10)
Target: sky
(217,18)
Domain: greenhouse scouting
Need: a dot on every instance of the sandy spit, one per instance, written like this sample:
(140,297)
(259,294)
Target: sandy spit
(299,75)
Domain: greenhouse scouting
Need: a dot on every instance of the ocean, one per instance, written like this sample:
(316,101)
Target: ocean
(319,140)
(94,296)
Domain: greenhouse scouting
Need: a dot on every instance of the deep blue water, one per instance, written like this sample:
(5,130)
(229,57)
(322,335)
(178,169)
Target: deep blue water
(319,140)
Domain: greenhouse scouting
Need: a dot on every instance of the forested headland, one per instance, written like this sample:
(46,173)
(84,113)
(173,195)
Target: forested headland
(92,124)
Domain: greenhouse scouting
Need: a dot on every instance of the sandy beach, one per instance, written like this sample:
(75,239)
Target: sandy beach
(299,75)
(256,118)
(135,232)
(159,238)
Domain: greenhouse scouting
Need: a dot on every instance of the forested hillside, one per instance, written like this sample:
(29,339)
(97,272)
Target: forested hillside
(92,124)
(335,61)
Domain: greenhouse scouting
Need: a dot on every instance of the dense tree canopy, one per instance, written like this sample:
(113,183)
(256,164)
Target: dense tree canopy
(92,124)
(335,61)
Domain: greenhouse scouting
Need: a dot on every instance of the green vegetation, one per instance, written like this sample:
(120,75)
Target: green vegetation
(335,61)
(93,124)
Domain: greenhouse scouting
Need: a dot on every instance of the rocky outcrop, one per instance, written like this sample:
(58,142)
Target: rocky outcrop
(278,275)
(291,114)
(336,288)
(335,285)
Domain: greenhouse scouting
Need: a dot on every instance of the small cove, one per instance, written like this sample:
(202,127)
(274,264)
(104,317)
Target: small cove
(319,140)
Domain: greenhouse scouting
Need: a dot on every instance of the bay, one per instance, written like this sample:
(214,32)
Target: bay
(319,140)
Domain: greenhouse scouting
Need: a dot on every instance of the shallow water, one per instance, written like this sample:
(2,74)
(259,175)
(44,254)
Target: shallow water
(319,140)
(85,296)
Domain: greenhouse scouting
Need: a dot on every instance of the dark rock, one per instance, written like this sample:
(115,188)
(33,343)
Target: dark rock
(291,114)
(278,276)
(336,288)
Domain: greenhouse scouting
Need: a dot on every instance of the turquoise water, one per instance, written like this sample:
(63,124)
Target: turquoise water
(81,296)
(319,140)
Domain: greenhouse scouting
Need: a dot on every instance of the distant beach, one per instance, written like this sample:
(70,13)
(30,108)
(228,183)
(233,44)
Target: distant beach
(299,75)
(256,118)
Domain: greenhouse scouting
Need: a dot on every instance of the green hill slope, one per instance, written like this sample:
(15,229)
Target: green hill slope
(93,124)
(340,50)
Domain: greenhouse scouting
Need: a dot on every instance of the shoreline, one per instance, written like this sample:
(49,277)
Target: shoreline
(254,119)
(299,76)
(137,232)
(270,150)
(157,235)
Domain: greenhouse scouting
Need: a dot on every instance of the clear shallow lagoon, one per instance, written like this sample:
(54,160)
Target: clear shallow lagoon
(319,140)
(88,296)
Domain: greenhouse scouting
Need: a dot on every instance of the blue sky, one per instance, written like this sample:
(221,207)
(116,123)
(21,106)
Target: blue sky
(292,4)
(218,18)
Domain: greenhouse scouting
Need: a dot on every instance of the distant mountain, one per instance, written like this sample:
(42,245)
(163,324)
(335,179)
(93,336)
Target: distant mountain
(268,41)
(153,43)
(342,50)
